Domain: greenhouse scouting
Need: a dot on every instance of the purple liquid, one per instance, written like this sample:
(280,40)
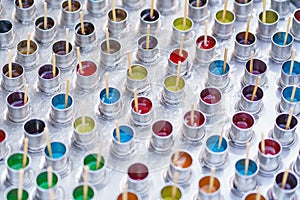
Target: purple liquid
(249,96)
(283,126)
(47,75)
(61,52)
(18,103)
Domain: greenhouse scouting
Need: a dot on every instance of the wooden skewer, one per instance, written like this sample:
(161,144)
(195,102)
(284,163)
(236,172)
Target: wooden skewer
(67,93)
(129,64)
(262,144)
(70,5)
(106,85)
(48,142)
(255,88)
(205,32)
(287,31)
(247,158)
(192,115)
(25,152)
(125,192)
(247,30)
(136,102)
(45,15)
(50,179)
(9,64)
(176,159)
(246,1)
(67,40)
(293,94)
(20,4)
(258,194)
(288,122)
(107,41)
(264,14)
(114,15)
(99,155)
(148,37)
(174,188)
(284,178)
(224,11)
(81,23)
(184,15)
(251,62)
(225,61)
(152,9)
(53,65)
(28,43)
(221,138)
(25,93)
(198,3)
(181,45)
(79,60)
(20,188)
(292,61)
(85,182)
(178,75)
(118,132)
(211,180)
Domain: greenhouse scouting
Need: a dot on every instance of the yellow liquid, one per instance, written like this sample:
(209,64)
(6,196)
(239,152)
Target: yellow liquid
(137,76)
(84,128)
(173,88)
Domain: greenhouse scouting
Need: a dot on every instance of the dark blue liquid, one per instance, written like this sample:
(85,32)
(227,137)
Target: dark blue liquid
(58,101)
(216,67)
(126,134)
(278,38)
(113,97)
(240,167)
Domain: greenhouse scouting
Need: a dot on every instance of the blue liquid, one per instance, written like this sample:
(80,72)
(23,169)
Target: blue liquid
(240,167)
(213,142)
(216,67)
(278,38)
(288,91)
(58,101)
(113,97)
(286,68)
(58,150)
(126,134)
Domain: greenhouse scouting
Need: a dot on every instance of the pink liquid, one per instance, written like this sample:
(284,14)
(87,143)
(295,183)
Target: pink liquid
(88,68)
(210,42)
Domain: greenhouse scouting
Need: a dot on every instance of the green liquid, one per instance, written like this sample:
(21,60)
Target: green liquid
(229,17)
(166,193)
(170,84)
(15,161)
(78,193)
(138,73)
(13,194)
(91,161)
(271,17)
(42,180)
(178,24)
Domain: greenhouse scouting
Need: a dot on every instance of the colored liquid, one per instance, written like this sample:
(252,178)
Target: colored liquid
(283,126)
(88,68)
(287,186)
(59,102)
(198,119)
(271,17)
(289,99)
(271,147)
(175,57)
(138,171)
(270,150)
(242,1)
(58,150)
(242,41)
(2,136)
(256,72)
(182,28)
(209,44)
(243,120)
(228,17)
(91,161)
(138,73)
(297,16)
(210,99)
(287,65)
(194,3)
(240,167)
(216,67)
(84,128)
(41,26)
(15,73)
(61,52)
(42,180)
(249,96)
(278,38)
(15,161)
(57,155)
(242,124)
(25,4)
(137,76)
(152,44)
(47,75)
(166,193)
(170,84)
(93,164)
(78,193)
(18,103)
(13,195)
(213,146)
(146,16)
(163,133)
(178,24)
(113,96)
(124,136)
(206,189)
(184,160)
(144,105)
(130,196)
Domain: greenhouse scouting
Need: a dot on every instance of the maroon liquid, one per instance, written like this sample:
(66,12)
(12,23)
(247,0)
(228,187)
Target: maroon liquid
(210,99)
(18,103)
(175,57)
(249,96)
(15,73)
(297,15)
(61,52)
(137,171)
(144,104)
(242,41)
(162,128)
(41,26)
(2,136)
(243,120)
(198,119)
(210,42)
(88,68)
(25,4)
(271,147)
(47,75)
(194,3)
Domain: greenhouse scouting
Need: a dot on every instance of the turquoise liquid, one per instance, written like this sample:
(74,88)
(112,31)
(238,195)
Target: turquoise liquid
(213,142)
(113,97)
(296,69)
(240,167)
(58,101)
(58,150)
(126,134)
(216,67)
(287,92)
(278,38)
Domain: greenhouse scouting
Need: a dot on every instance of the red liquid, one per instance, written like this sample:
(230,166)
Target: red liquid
(297,15)
(210,42)
(47,75)
(18,103)
(15,73)
(2,136)
(198,119)
(243,120)
(249,96)
(144,104)
(88,68)
(175,57)
(137,171)
(210,99)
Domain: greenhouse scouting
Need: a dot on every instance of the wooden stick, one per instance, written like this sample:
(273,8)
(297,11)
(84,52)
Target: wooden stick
(178,75)
(264,14)
(20,4)
(288,122)
(181,45)
(28,43)
(287,31)
(224,11)
(198,3)
(148,37)
(136,102)
(184,15)
(81,23)
(221,138)
(48,142)
(113,10)
(247,158)
(118,132)
(9,64)
(85,182)
(67,40)
(262,144)
(99,155)
(107,40)
(225,61)
(293,94)
(50,178)
(258,194)
(247,29)
(205,32)
(284,178)
(53,65)
(129,64)
(79,60)
(211,180)
(125,192)
(20,188)
(106,85)
(152,9)
(292,61)
(70,5)
(25,152)
(45,15)
(192,115)
(176,159)
(25,93)
(255,88)
(174,188)
(251,62)
(67,93)
(246,1)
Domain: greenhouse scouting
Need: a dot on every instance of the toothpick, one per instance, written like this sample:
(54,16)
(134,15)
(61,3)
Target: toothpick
(9,64)
(81,23)
(152,9)
(287,31)
(192,115)
(246,1)
(53,65)
(48,142)
(67,93)
(67,40)
(176,159)
(264,14)
(148,37)
(118,132)
(224,11)
(221,138)
(181,45)
(107,41)
(25,152)
(247,29)
(184,15)
(293,94)
(136,102)
(20,4)
(125,192)
(129,64)
(225,61)
(288,122)
(45,15)
(28,43)
(292,61)
(255,88)
(284,178)
(247,158)
(178,75)
(25,93)
(106,85)
(262,144)
(113,10)
(79,60)
(49,176)
(211,180)
(198,3)
(258,194)
(205,32)
(174,188)
(70,5)
(20,188)
(99,155)
(85,182)
(251,62)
